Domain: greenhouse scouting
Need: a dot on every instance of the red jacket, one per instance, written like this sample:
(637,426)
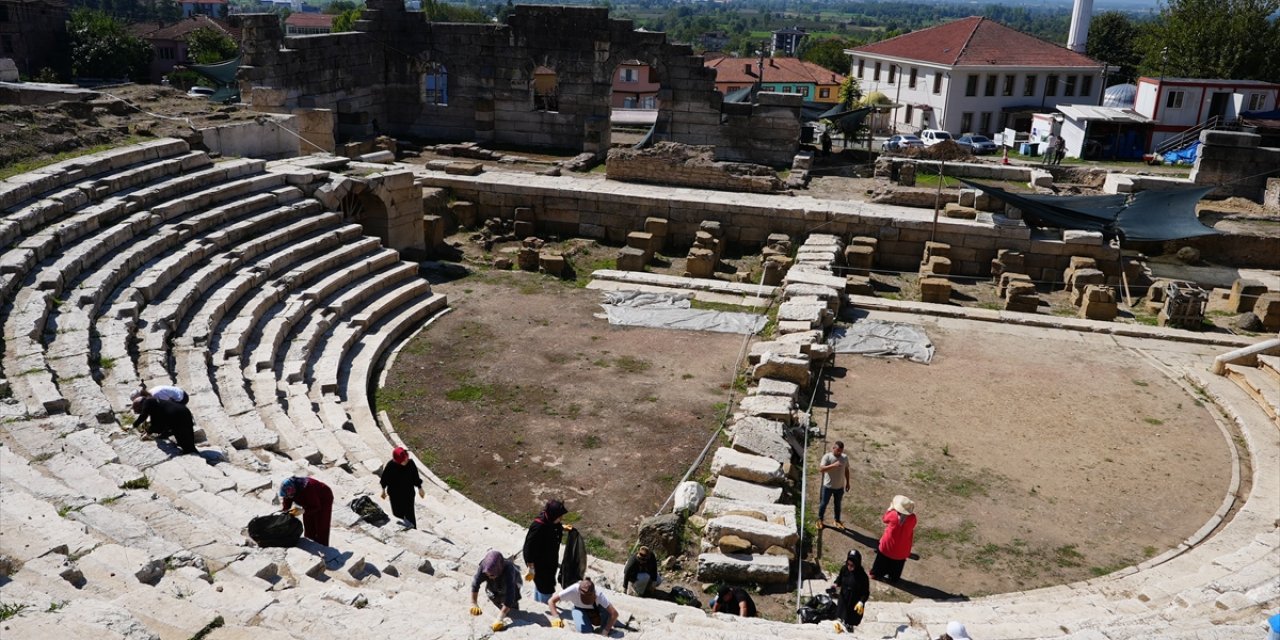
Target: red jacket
(898,531)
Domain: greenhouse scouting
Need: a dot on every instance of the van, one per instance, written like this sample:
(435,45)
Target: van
(933,136)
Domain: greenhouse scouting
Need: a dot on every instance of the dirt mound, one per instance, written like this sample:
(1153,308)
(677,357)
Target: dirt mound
(946,150)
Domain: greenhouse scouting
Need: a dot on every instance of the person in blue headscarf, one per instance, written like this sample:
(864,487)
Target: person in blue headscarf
(316,500)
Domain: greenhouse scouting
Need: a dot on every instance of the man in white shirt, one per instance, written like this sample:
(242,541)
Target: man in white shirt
(590,608)
(835,481)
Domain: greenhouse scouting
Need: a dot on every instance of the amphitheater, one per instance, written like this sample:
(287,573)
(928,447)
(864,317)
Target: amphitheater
(157,264)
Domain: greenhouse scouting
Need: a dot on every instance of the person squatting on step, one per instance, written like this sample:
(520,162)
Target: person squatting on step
(853,588)
(163,392)
(542,549)
(167,418)
(592,610)
(641,573)
(734,601)
(895,544)
(501,582)
(399,478)
(316,500)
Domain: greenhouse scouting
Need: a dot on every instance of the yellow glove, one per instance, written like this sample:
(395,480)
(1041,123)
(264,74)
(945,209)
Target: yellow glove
(295,511)
(499,624)
(568,527)
(557,623)
(839,627)
(858,608)
(475,611)
(528,577)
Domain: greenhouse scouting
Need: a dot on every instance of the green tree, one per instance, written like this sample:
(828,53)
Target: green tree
(339,7)
(826,52)
(850,93)
(1235,39)
(207,45)
(101,48)
(346,21)
(441,11)
(1113,39)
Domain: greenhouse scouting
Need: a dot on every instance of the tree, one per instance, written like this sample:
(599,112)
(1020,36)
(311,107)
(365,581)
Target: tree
(346,21)
(1113,39)
(441,11)
(101,48)
(1233,39)
(850,93)
(207,45)
(339,7)
(827,52)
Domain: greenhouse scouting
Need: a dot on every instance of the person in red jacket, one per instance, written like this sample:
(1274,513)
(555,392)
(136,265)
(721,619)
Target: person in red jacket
(316,500)
(895,544)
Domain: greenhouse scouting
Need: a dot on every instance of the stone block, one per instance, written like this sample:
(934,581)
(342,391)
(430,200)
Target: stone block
(783,514)
(688,497)
(760,533)
(798,276)
(864,241)
(1098,310)
(747,467)
(1022,303)
(631,259)
(1267,308)
(771,407)
(940,249)
(525,214)
(641,240)
(458,168)
(732,544)
(379,157)
(1009,278)
(701,263)
(1040,178)
(524,228)
(1081,279)
(860,259)
(1019,288)
(937,290)
(762,437)
(733,489)
(771,387)
(433,231)
(527,259)
(552,264)
(936,265)
(955,210)
(743,568)
(465,214)
(817,314)
(1075,236)
(1244,295)
(658,228)
(789,368)
(859,286)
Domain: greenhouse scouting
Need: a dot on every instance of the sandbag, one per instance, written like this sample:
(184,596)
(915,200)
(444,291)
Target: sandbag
(275,530)
(369,511)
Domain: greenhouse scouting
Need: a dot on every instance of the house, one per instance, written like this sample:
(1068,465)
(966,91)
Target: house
(812,82)
(787,41)
(1185,105)
(974,75)
(633,87)
(308,24)
(169,41)
(1104,133)
(32,32)
(211,8)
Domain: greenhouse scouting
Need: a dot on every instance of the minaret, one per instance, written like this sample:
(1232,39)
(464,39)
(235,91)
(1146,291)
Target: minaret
(1081,13)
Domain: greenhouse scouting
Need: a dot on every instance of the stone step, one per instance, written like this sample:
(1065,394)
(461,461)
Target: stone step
(1264,388)
(1270,365)
(329,367)
(37,182)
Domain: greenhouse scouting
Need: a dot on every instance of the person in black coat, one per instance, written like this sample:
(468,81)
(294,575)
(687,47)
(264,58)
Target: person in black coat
(542,549)
(399,478)
(167,418)
(854,588)
(641,570)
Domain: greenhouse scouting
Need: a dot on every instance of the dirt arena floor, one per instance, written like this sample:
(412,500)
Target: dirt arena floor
(1035,457)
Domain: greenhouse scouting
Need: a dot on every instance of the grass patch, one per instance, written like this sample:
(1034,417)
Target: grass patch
(1067,556)
(1106,569)
(141,483)
(469,393)
(631,364)
(591,441)
(932,180)
(35,163)
(1140,383)
(12,610)
(1155,422)
(962,534)
(454,482)
(216,623)
(582,274)
(599,548)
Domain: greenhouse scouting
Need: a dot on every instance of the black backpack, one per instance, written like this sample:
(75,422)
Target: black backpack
(369,511)
(275,530)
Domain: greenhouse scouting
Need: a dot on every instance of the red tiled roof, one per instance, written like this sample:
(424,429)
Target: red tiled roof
(977,41)
(180,29)
(310,20)
(775,70)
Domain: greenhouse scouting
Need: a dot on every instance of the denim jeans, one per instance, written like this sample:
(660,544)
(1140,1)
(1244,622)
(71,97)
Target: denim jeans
(826,494)
(582,623)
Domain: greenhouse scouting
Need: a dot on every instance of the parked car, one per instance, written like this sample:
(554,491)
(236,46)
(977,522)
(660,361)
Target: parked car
(933,136)
(898,143)
(977,144)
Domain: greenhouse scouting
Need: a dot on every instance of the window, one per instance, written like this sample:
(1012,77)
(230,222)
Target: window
(630,75)
(787,90)
(1174,100)
(546,95)
(1070,88)
(937,82)
(893,73)
(906,115)
(966,122)
(649,102)
(985,122)
(804,91)
(1257,101)
(862,67)
(1051,85)
(971,86)
(824,93)
(164,53)
(991,86)
(911,79)
(629,102)
(1009,81)
(732,89)
(1030,88)
(435,84)
(1086,86)
(875,74)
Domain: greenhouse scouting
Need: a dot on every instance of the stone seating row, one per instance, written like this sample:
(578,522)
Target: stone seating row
(31,185)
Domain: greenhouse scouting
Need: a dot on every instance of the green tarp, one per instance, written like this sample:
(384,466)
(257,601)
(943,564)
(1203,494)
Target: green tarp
(1146,216)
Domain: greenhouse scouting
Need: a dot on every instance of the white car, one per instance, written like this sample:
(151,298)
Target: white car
(933,136)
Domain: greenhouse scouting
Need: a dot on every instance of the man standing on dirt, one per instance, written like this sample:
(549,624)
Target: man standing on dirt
(834,467)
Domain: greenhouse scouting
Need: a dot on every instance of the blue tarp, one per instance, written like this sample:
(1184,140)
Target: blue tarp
(1185,155)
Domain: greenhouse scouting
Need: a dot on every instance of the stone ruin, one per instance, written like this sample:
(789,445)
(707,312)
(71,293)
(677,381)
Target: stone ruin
(676,164)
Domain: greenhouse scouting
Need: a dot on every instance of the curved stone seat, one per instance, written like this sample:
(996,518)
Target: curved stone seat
(37,182)
(329,366)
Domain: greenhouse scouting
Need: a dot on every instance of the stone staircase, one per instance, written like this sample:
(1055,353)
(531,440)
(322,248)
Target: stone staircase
(155,264)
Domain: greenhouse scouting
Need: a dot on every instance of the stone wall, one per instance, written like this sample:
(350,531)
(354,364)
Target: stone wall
(585,207)
(268,137)
(689,166)
(373,80)
(1235,161)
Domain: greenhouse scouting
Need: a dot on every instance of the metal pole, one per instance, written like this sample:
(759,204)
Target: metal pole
(937,199)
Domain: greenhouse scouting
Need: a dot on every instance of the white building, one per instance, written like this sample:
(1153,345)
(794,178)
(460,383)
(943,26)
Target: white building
(1186,105)
(974,76)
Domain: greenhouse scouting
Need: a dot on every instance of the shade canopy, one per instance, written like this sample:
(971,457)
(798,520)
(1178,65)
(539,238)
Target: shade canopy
(1147,216)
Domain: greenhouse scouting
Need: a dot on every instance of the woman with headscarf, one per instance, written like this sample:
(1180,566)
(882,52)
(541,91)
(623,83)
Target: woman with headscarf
(502,586)
(399,478)
(542,549)
(895,544)
(316,500)
(853,589)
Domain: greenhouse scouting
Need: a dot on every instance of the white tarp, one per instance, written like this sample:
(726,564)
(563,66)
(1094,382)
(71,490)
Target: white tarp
(673,311)
(883,339)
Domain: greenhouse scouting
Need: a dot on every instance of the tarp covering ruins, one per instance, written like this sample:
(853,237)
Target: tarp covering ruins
(883,339)
(1147,216)
(674,311)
